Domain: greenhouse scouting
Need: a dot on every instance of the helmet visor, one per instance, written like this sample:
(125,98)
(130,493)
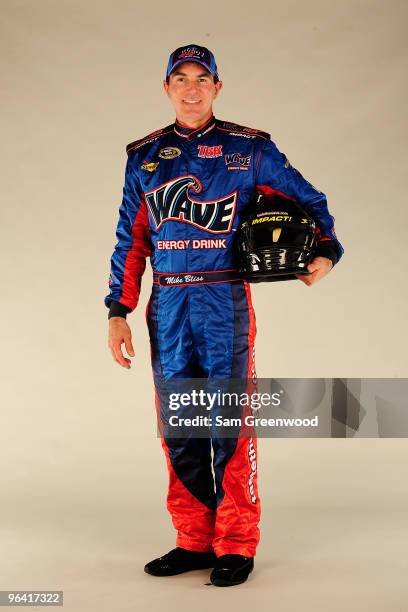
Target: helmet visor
(268,235)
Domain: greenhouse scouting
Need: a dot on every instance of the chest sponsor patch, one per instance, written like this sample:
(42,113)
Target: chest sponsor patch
(173,202)
(236,161)
(149,166)
(169,152)
(204,151)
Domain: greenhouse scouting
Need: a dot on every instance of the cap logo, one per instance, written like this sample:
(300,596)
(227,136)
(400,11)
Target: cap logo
(191,52)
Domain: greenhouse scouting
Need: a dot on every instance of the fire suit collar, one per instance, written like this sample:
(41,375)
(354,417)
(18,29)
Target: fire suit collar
(193,133)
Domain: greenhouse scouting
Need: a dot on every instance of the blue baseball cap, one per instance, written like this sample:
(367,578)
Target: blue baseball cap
(192,53)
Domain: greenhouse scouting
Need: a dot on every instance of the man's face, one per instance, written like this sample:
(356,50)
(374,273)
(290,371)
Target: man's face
(191,90)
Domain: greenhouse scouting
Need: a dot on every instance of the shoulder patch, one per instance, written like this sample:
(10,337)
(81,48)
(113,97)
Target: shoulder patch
(241,130)
(136,144)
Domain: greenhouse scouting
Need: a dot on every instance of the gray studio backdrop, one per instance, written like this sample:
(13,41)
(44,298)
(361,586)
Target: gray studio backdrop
(81,469)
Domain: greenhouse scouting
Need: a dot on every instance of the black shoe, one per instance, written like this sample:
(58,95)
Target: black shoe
(231,570)
(180,560)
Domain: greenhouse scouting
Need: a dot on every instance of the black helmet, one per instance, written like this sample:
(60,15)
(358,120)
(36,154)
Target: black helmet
(276,240)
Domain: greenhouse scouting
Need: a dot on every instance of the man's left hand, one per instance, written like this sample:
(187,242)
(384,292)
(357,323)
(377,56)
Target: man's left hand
(319,267)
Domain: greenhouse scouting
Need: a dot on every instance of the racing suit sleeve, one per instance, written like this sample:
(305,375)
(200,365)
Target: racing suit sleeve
(128,261)
(276,175)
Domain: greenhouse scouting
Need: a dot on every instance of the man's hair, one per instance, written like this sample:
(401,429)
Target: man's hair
(215,78)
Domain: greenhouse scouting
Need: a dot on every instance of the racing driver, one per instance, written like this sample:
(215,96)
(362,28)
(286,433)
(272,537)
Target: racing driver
(186,188)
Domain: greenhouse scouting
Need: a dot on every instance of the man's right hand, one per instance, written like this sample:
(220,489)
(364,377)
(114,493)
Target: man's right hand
(119,333)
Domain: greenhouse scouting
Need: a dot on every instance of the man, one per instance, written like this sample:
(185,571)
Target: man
(186,188)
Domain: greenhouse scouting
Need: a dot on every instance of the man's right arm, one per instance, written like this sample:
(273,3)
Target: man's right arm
(128,264)
(128,261)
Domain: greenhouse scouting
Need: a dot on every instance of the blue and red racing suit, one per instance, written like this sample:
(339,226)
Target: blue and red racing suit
(184,194)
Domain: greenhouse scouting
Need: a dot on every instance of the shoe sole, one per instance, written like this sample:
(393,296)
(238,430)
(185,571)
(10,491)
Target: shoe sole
(225,583)
(176,573)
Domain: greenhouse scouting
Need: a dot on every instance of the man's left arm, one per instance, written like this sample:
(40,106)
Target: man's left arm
(274,174)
